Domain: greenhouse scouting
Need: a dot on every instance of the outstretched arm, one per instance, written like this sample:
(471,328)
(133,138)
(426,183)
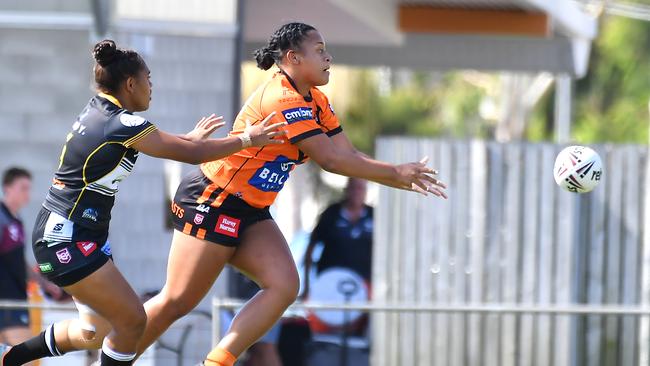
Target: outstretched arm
(195,147)
(337,155)
(342,142)
(204,128)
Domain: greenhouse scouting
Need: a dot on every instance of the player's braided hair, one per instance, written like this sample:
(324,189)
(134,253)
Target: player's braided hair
(288,37)
(114,65)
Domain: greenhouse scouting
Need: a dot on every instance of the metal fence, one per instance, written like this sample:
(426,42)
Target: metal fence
(174,348)
(509,235)
(481,311)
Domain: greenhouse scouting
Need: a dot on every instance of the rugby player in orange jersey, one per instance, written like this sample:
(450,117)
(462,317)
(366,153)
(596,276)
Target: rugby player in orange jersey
(221,211)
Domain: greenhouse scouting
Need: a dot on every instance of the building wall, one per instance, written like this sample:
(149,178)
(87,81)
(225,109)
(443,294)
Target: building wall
(45,81)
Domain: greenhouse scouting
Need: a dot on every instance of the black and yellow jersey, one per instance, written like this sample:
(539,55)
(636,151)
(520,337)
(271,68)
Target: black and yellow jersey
(96,157)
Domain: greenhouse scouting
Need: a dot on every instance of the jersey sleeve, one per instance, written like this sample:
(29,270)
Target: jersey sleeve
(128,129)
(298,115)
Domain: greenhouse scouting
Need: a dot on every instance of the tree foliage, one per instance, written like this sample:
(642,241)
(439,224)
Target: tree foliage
(610,103)
(612,100)
(422,107)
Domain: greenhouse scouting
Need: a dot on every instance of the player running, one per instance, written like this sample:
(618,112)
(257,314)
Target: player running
(225,205)
(71,231)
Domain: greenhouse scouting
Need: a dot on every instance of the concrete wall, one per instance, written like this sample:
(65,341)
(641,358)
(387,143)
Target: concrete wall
(46,79)
(46,5)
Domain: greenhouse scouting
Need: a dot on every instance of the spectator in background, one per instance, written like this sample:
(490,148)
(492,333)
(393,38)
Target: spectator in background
(16,186)
(14,273)
(345,231)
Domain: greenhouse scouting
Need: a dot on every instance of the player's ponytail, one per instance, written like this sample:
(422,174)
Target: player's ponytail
(114,65)
(105,52)
(264,58)
(288,37)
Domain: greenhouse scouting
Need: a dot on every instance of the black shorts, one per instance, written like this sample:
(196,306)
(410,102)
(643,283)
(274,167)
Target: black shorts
(13,318)
(65,251)
(196,211)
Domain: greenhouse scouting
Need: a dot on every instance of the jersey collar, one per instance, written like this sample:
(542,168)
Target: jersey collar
(111,98)
(345,214)
(308,98)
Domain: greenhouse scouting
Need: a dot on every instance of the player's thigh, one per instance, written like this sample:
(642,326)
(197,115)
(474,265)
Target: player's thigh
(264,256)
(108,293)
(193,266)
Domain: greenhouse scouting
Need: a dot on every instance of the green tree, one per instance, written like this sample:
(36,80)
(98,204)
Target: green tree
(611,101)
(423,107)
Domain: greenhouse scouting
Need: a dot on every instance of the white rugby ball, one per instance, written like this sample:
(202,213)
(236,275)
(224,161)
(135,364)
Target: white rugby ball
(578,169)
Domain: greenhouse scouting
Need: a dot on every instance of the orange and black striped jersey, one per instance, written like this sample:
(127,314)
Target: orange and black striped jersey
(256,175)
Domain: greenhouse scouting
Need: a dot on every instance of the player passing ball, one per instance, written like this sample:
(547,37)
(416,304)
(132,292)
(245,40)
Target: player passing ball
(223,214)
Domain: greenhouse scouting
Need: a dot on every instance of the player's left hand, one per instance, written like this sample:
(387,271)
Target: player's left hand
(205,127)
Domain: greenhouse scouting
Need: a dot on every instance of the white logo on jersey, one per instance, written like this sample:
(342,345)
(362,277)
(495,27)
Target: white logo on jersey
(130,120)
(203,208)
(108,185)
(78,127)
(58,229)
(14,232)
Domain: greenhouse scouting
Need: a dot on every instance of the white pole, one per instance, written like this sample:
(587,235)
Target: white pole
(563,107)
(644,328)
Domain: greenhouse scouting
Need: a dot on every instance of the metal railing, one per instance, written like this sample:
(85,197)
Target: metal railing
(483,308)
(14,305)
(177,348)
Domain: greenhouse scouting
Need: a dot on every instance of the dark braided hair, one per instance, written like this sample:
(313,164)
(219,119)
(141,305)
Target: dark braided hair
(288,37)
(114,65)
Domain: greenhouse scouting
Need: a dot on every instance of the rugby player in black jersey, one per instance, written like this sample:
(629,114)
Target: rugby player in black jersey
(70,234)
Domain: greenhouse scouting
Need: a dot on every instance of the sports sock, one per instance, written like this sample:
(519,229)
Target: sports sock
(110,357)
(43,345)
(220,357)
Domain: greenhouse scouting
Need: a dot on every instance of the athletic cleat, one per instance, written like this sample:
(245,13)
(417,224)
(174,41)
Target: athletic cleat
(4,348)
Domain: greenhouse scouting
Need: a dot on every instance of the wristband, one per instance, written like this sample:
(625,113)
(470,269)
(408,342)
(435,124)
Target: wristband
(245,140)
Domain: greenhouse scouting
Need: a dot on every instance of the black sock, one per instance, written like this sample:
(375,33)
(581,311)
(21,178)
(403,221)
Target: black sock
(109,357)
(43,345)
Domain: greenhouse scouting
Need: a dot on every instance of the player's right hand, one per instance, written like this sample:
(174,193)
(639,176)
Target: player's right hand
(205,127)
(417,177)
(265,133)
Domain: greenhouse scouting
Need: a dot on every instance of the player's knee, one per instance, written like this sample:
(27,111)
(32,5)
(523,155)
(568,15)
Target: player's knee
(89,335)
(90,338)
(88,332)
(139,320)
(288,286)
(177,307)
(133,321)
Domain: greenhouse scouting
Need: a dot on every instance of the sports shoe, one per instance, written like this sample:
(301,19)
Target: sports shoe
(4,348)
